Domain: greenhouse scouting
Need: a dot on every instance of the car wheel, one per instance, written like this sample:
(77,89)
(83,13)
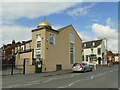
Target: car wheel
(84,70)
(90,69)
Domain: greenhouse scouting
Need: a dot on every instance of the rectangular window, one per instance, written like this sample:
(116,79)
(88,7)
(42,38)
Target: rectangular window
(38,44)
(92,50)
(58,67)
(38,40)
(71,58)
(102,56)
(71,37)
(52,39)
(99,51)
(71,47)
(86,57)
(71,53)
(38,37)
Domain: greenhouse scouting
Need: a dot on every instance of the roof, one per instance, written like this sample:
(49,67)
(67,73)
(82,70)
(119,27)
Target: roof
(29,41)
(24,42)
(58,30)
(63,27)
(43,23)
(47,28)
(89,44)
(110,53)
(71,27)
(116,54)
(51,28)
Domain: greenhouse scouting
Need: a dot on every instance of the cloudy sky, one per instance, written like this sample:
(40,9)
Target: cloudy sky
(92,20)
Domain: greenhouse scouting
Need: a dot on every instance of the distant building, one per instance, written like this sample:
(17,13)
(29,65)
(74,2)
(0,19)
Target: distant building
(111,56)
(1,53)
(94,51)
(51,49)
(117,58)
(7,51)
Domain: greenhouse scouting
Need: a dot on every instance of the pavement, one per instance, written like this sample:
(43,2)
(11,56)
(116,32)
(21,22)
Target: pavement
(103,77)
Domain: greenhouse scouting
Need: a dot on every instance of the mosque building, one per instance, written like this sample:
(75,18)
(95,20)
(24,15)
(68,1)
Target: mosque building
(50,49)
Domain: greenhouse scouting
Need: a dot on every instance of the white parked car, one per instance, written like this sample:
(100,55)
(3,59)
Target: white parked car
(81,67)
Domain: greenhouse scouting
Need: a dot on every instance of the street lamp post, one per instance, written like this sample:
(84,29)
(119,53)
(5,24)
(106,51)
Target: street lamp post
(4,54)
(12,61)
(106,50)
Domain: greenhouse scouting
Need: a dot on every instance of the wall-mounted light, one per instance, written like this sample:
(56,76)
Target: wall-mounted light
(47,40)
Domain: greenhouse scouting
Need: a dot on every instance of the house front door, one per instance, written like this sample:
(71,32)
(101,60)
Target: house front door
(99,60)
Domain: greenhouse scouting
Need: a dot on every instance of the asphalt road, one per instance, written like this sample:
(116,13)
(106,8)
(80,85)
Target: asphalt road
(103,77)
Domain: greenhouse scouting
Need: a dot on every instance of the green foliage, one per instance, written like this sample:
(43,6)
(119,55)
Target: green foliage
(94,58)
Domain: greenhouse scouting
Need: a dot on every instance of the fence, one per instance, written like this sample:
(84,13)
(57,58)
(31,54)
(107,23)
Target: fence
(10,69)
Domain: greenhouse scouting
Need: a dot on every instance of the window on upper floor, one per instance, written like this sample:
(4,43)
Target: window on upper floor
(86,57)
(29,45)
(93,44)
(71,47)
(38,41)
(52,39)
(38,44)
(38,37)
(91,50)
(99,51)
(71,53)
(85,45)
(71,37)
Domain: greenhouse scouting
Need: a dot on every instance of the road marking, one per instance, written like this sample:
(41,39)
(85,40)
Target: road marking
(34,81)
(38,82)
(111,71)
(63,87)
(49,80)
(74,75)
(69,84)
(86,79)
(59,78)
(92,77)
(14,86)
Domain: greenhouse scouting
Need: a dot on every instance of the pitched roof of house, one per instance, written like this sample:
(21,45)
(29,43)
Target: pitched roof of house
(110,53)
(60,29)
(63,27)
(24,42)
(89,44)
(116,54)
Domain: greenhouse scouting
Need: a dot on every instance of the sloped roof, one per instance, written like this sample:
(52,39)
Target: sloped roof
(58,30)
(89,44)
(110,53)
(63,27)
(67,27)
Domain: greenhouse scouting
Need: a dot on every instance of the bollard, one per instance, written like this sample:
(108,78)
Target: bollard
(94,66)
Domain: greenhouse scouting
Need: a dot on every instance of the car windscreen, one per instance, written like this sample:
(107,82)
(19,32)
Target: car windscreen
(76,64)
(84,64)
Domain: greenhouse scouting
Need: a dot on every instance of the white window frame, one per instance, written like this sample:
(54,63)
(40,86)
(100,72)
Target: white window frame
(53,36)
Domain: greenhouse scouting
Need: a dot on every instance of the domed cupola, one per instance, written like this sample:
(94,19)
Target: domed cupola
(44,23)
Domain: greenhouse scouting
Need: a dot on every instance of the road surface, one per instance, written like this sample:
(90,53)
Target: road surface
(103,77)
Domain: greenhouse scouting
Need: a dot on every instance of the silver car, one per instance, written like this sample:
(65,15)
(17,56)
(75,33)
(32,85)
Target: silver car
(81,67)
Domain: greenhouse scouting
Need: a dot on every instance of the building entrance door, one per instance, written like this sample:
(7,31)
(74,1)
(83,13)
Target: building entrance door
(38,67)
(58,67)
(99,60)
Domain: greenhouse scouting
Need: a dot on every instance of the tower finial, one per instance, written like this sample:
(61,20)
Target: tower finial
(44,18)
